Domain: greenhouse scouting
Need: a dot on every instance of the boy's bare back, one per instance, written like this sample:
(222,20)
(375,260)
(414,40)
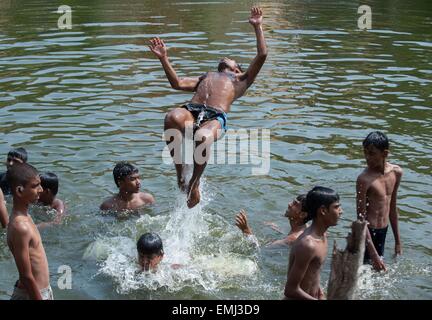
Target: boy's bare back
(25,243)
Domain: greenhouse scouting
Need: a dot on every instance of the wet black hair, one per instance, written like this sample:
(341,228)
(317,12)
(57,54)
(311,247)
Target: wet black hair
(150,243)
(20,174)
(378,139)
(317,197)
(19,153)
(49,180)
(222,66)
(122,170)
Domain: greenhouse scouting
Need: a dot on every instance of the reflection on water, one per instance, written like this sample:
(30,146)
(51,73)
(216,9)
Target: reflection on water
(79,100)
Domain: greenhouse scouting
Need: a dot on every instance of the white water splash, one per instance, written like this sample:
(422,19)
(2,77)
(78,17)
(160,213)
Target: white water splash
(191,238)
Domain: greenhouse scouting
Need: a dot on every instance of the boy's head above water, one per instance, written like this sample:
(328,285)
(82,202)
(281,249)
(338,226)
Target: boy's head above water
(18,155)
(226,64)
(323,203)
(297,209)
(150,251)
(376,149)
(25,182)
(49,183)
(126,177)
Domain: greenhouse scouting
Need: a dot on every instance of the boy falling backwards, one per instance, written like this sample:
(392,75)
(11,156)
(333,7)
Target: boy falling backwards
(129,197)
(214,94)
(23,237)
(377,188)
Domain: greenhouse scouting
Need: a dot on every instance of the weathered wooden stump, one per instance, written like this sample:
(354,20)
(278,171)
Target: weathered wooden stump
(345,264)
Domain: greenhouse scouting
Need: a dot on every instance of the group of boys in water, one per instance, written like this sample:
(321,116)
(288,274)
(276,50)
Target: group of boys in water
(206,115)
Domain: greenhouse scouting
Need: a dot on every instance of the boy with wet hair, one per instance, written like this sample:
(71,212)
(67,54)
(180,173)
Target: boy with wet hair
(4,217)
(129,197)
(18,155)
(206,113)
(309,251)
(150,251)
(296,214)
(377,188)
(23,237)
(48,197)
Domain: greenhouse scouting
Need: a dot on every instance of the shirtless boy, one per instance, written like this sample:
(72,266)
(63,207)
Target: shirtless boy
(377,188)
(18,155)
(296,214)
(48,197)
(23,237)
(309,251)
(129,197)
(214,94)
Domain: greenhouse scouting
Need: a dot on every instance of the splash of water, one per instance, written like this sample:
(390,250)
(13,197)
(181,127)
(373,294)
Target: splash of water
(192,238)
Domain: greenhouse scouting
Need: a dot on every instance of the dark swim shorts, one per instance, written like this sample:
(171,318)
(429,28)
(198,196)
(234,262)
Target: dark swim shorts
(378,239)
(203,113)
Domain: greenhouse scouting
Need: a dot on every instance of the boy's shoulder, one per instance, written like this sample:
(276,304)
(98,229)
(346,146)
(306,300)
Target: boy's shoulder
(109,203)
(21,225)
(146,197)
(58,204)
(365,176)
(396,169)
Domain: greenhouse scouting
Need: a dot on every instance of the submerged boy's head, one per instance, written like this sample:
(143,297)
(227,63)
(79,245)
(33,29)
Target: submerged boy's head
(18,155)
(323,203)
(49,183)
(297,209)
(126,177)
(150,251)
(226,64)
(25,182)
(375,149)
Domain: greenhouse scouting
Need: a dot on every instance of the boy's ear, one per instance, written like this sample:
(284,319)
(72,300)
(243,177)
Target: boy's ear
(386,153)
(19,189)
(323,210)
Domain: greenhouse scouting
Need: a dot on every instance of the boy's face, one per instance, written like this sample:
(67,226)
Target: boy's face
(374,157)
(149,261)
(31,191)
(294,210)
(10,161)
(333,213)
(130,183)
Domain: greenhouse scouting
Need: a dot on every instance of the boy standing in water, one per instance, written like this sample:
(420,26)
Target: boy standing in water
(296,214)
(50,184)
(129,197)
(23,237)
(207,111)
(309,251)
(377,188)
(4,217)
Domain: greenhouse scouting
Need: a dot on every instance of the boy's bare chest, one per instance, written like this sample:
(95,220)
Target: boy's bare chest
(382,186)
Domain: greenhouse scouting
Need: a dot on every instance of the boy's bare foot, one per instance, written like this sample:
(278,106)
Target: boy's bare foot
(182,185)
(194,196)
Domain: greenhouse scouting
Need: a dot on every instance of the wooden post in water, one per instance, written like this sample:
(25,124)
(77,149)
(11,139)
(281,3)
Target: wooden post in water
(345,264)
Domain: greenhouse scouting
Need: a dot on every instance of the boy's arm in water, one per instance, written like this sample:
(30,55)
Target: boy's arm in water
(242,223)
(157,46)
(361,191)
(394,212)
(304,254)
(20,241)
(249,76)
(60,209)
(4,217)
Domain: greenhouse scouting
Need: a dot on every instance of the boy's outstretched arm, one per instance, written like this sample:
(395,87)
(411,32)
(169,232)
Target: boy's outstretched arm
(4,217)
(394,213)
(361,189)
(20,242)
(303,258)
(157,46)
(256,20)
(242,223)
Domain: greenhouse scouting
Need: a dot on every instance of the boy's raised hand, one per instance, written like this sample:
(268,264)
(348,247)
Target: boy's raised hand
(157,46)
(241,222)
(256,17)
